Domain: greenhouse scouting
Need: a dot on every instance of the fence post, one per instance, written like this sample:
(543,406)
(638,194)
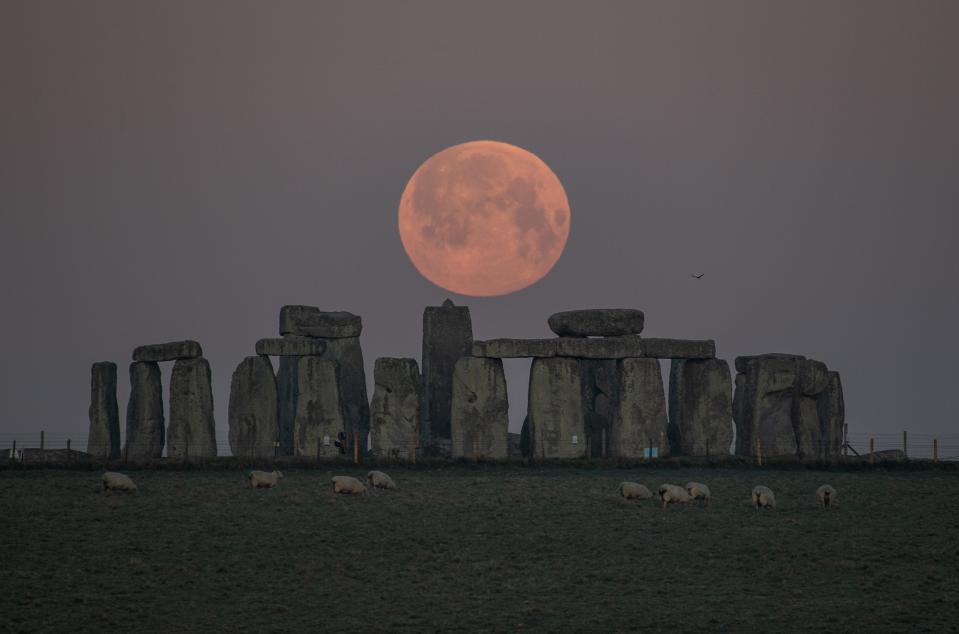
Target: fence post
(905,452)
(872,451)
(759,451)
(935,450)
(356,447)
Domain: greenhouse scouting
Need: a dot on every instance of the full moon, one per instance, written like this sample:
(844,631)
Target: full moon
(484,218)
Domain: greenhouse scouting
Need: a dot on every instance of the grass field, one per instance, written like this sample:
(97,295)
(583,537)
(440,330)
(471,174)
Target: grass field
(478,548)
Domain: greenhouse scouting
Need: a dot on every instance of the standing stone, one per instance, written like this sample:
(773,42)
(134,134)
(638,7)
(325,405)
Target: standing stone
(447,336)
(254,425)
(479,413)
(347,354)
(700,407)
(395,409)
(557,427)
(597,322)
(145,425)
(599,385)
(319,414)
(639,416)
(192,432)
(832,414)
(104,439)
(287,381)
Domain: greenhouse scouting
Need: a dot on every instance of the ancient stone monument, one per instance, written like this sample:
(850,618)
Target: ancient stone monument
(395,409)
(145,424)
(639,420)
(191,433)
(700,407)
(104,438)
(447,336)
(253,413)
(556,418)
(787,405)
(319,419)
(479,412)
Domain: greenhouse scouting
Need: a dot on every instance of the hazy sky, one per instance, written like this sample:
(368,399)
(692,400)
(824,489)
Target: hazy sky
(174,170)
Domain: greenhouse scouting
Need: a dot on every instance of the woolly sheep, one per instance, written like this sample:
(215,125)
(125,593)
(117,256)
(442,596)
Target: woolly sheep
(380,480)
(698,491)
(826,495)
(264,479)
(634,491)
(763,497)
(670,493)
(347,484)
(113,481)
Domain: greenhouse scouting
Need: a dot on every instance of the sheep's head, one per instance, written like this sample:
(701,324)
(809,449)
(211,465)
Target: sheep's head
(278,474)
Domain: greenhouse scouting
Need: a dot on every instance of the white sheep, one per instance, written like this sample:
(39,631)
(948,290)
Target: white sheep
(634,491)
(670,493)
(113,481)
(347,484)
(826,496)
(763,497)
(380,480)
(699,491)
(15,454)
(264,479)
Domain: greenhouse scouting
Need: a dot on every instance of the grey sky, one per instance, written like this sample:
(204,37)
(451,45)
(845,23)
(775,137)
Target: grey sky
(180,170)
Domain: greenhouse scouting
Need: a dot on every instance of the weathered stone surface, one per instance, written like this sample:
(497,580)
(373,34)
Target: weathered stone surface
(191,433)
(597,322)
(310,321)
(639,414)
(742,363)
(290,346)
(447,336)
(395,409)
(627,346)
(104,438)
(145,424)
(347,354)
(479,414)
(253,413)
(557,426)
(813,377)
(171,351)
(832,415)
(599,383)
(319,412)
(700,407)
(287,380)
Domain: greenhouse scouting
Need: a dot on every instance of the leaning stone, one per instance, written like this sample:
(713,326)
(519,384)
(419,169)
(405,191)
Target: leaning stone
(700,407)
(104,438)
(447,336)
(290,346)
(395,408)
(253,409)
(347,354)
(597,322)
(191,433)
(479,416)
(310,321)
(639,412)
(145,424)
(679,348)
(172,351)
(319,414)
(557,427)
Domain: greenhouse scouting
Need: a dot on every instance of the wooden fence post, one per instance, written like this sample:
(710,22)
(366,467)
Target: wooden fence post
(935,450)
(905,451)
(872,451)
(356,447)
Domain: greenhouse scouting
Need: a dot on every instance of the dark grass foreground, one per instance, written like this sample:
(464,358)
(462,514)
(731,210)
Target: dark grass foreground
(478,548)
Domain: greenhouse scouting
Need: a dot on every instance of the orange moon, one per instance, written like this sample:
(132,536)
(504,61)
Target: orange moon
(484,218)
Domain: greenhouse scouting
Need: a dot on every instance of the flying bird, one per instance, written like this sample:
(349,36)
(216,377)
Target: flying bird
(697,276)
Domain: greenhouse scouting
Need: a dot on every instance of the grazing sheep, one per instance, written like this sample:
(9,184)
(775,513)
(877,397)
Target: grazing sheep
(264,479)
(634,491)
(670,493)
(380,480)
(698,491)
(113,481)
(347,484)
(826,495)
(763,498)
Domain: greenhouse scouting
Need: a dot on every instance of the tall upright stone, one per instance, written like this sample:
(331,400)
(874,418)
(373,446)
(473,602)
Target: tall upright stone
(395,408)
(832,415)
(639,414)
(347,355)
(319,413)
(192,431)
(599,390)
(479,410)
(253,413)
(104,438)
(287,381)
(447,336)
(555,409)
(700,407)
(145,424)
